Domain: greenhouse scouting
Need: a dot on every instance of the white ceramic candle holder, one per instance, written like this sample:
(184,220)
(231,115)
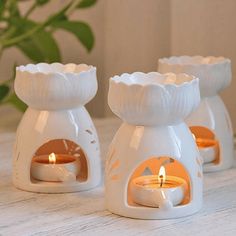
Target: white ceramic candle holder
(153,137)
(56,122)
(210,123)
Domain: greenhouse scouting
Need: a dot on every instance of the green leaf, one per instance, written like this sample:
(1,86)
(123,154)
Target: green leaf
(4,90)
(80,29)
(41,46)
(60,15)
(86,3)
(2,6)
(13,8)
(15,101)
(42,2)
(32,52)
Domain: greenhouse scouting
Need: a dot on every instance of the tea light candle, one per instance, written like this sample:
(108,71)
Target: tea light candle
(162,191)
(207,149)
(55,168)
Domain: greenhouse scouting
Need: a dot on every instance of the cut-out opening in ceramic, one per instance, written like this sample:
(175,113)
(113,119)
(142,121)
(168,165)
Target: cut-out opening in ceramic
(207,143)
(173,168)
(70,161)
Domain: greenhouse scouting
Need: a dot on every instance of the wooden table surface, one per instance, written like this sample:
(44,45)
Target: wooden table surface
(84,213)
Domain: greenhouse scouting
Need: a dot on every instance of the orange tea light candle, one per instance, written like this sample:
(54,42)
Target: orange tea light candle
(55,168)
(160,190)
(207,149)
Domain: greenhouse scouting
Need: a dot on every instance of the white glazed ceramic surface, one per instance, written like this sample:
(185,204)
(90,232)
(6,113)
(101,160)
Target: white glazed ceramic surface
(140,98)
(55,86)
(131,146)
(55,94)
(152,107)
(214,75)
(158,197)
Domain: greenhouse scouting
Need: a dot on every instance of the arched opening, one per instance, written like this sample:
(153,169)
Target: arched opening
(175,176)
(207,143)
(59,160)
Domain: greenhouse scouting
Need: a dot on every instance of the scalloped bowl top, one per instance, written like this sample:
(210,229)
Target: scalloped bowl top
(55,86)
(194,60)
(214,73)
(153,78)
(54,68)
(153,98)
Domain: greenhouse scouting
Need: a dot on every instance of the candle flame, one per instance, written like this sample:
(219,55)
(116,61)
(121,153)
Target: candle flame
(52,158)
(162,174)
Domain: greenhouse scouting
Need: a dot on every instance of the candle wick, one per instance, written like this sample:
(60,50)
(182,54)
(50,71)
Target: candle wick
(161,177)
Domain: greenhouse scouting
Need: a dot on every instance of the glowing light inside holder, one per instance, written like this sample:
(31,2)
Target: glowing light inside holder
(55,168)
(163,191)
(52,158)
(207,148)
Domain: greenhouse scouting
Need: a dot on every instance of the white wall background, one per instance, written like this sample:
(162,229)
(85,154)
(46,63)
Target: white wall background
(206,27)
(132,34)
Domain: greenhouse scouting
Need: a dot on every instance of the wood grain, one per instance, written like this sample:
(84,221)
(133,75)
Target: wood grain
(84,213)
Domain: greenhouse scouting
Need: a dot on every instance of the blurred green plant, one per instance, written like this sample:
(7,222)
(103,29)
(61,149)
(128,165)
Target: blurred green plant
(35,39)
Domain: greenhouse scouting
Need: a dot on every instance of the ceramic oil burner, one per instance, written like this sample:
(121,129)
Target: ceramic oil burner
(210,123)
(56,148)
(153,168)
